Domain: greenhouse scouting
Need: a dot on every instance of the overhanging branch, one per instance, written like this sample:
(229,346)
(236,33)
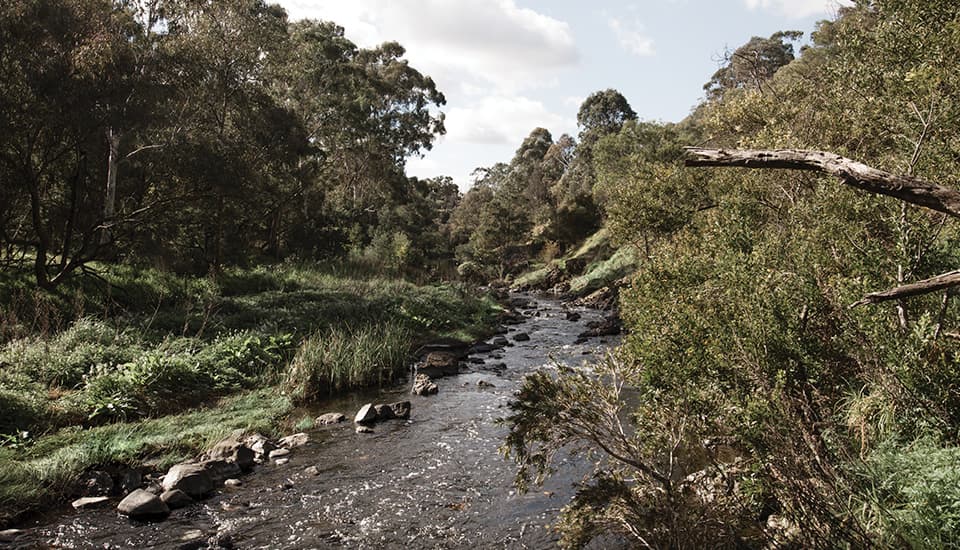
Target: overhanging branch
(926,286)
(853,173)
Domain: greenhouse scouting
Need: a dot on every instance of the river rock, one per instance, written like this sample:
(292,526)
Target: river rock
(175,498)
(219,470)
(364,429)
(294,441)
(367,413)
(96,483)
(521,337)
(422,385)
(401,409)
(260,445)
(191,478)
(312,471)
(233,450)
(609,326)
(482,347)
(572,316)
(279,453)
(484,384)
(440,363)
(232,483)
(384,412)
(141,504)
(500,342)
(281,461)
(129,480)
(87,503)
(330,418)
(476,361)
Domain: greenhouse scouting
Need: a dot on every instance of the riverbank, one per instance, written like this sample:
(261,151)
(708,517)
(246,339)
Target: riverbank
(143,368)
(433,480)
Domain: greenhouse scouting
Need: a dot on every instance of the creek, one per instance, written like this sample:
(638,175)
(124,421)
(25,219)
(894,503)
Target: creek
(433,481)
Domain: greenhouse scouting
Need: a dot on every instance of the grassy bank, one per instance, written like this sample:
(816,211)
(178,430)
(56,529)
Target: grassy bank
(596,263)
(111,369)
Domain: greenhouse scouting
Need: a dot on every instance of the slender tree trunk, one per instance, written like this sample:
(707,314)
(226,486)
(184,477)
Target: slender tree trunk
(110,197)
(43,237)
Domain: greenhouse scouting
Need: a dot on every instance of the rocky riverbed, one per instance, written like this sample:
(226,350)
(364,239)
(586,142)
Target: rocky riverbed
(431,480)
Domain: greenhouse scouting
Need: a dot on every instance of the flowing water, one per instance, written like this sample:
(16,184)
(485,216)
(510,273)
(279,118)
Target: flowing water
(433,481)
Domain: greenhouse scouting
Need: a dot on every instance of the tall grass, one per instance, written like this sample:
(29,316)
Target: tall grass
(343,359)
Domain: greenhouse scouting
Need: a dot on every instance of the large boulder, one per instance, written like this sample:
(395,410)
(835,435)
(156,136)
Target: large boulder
(191,478)
(422,385)
(232,449)
(142,504)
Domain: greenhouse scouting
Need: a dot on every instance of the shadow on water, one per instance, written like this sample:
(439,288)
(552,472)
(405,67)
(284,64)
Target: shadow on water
(433,481)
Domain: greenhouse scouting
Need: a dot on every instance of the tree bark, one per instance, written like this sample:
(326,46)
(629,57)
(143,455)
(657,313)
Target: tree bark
(855,174)
(926,286)
(110,196)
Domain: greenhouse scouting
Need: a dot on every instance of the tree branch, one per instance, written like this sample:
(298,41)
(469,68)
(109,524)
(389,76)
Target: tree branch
(926,286)
(855,174)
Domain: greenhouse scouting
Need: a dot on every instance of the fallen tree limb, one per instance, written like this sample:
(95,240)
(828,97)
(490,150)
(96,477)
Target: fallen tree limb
(926,286)
(852,173)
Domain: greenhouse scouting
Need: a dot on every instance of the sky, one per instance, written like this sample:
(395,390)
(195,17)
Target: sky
(507,67)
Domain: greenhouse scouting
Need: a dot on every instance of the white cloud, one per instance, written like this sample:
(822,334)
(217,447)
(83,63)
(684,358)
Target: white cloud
(798,9)
(503,120)
(632,36)
(493,42)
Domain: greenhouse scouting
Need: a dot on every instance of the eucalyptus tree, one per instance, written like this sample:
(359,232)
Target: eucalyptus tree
(65,65)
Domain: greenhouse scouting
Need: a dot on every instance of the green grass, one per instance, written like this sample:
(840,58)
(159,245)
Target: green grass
(131,352)
(596,263)
(339,360)
(36,475)
(596,246)
(604,272)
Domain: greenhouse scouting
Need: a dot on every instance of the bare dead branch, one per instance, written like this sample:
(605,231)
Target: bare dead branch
(926,286)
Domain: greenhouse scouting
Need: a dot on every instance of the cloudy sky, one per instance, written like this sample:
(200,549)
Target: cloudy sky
(509,66)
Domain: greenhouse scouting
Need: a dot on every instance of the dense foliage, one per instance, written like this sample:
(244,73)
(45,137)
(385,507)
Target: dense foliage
(750,405)
(201,134)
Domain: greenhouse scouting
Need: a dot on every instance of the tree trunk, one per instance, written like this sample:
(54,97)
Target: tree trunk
(110,197)
(853,173)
